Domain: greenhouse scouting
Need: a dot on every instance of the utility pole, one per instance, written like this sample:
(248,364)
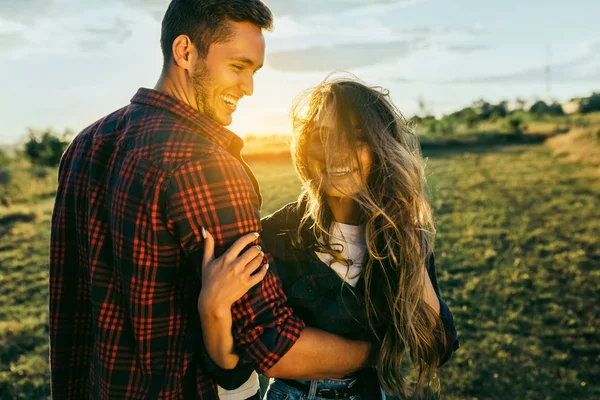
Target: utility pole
(548,73)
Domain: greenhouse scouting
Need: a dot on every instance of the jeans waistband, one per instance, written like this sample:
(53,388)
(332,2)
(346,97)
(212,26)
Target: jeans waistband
(345,383)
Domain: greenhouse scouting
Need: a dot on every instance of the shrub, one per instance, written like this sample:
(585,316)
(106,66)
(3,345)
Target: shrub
(45,148)
(515,124)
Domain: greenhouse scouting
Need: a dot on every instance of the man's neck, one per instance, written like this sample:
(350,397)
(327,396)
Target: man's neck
(173,83)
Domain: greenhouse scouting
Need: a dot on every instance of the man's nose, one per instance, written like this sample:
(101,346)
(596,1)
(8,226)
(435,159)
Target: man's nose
(247,85)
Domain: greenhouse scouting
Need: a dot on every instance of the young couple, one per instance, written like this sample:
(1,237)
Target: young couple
(162,282)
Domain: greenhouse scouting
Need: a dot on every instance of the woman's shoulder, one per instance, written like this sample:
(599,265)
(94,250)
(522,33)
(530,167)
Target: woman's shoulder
(286,218)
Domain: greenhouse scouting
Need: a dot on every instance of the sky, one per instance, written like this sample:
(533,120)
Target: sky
(67,63)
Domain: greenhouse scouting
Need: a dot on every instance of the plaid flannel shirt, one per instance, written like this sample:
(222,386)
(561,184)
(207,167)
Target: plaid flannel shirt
(134,190)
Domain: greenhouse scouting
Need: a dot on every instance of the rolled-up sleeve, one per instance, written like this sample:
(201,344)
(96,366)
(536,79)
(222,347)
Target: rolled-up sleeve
(216,193)
(451,342)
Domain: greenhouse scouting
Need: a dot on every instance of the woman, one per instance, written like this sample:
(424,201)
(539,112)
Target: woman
(354,252)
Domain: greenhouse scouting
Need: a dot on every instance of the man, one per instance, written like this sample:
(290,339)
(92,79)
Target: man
(135,190)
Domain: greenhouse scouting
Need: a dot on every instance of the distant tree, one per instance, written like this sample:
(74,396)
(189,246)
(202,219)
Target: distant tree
(447,126)
(483,109)
(423,107)
(591,104)
(539,108)
(5,159)
(520,104)
(45,148)
(515,124)
(499,110)
(467,116)
(555,109)
(471,119)
(431,125)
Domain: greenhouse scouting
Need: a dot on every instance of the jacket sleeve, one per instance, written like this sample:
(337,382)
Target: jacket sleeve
(452,343)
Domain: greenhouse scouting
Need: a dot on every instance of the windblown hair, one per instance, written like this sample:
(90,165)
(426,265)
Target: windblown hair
(204,21)
(396,213)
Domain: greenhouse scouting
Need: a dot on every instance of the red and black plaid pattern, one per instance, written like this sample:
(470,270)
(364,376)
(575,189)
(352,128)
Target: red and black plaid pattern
(134,190)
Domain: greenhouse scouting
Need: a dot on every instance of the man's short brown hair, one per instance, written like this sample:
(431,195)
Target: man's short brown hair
(203,21)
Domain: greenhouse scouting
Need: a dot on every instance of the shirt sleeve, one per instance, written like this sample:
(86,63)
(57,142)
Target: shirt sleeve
(64,299)
(452,343)
(216,193)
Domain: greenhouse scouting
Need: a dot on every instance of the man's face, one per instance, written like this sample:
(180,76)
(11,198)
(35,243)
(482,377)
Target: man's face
(227,73)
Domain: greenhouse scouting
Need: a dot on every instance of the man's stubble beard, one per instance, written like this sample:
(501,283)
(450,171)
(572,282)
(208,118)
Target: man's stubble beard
(202,82)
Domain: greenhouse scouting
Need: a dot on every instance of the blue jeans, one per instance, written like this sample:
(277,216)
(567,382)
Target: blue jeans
(279,390)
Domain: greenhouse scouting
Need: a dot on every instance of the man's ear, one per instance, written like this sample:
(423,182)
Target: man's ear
(184,52)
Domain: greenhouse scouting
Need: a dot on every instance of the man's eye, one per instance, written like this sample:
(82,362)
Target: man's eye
(238,67)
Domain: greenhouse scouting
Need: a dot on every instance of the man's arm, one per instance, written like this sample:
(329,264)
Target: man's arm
(320,355)
(69,326)
(215,192)
(315,355)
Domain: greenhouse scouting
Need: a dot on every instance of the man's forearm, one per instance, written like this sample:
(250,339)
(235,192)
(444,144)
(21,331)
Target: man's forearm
(321,355)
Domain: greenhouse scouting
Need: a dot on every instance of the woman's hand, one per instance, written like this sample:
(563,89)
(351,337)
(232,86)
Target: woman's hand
(229,277)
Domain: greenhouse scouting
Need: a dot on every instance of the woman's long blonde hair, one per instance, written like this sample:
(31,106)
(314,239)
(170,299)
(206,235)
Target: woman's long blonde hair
(397,217)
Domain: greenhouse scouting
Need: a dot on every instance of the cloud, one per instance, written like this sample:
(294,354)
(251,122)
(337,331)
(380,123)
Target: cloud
(584,67)
(343,56)
(156,8)
(10,41)
(97,38)
(366,47)
(282,8)
(466,48)
(41,27)
(318,7)
(28,11)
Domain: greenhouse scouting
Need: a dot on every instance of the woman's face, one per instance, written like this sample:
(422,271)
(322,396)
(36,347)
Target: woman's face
(349,169)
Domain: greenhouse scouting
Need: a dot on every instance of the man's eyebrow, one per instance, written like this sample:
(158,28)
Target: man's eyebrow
(246,61)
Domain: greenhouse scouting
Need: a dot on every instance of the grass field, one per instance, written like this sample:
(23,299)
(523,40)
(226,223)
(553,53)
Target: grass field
(518,259)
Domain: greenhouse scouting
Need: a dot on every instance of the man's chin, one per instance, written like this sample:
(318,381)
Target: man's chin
(223,120)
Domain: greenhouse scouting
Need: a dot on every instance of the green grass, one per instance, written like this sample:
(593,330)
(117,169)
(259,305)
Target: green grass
(518,256)
(24,238)
(518,260)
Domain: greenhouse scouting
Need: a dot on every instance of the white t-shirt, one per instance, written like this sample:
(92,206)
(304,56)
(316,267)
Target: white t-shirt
(248,389)
(352,238)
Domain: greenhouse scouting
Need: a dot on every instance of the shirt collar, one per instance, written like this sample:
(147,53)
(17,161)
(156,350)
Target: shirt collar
(206,126)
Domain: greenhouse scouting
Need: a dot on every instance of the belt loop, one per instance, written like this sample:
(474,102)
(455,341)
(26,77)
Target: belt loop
(312,392)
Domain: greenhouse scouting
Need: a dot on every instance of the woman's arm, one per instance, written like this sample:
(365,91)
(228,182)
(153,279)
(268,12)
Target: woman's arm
(451,340)
(430,296)
(224,281)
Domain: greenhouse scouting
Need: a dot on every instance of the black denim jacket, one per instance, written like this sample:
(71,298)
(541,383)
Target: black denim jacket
(318,295)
